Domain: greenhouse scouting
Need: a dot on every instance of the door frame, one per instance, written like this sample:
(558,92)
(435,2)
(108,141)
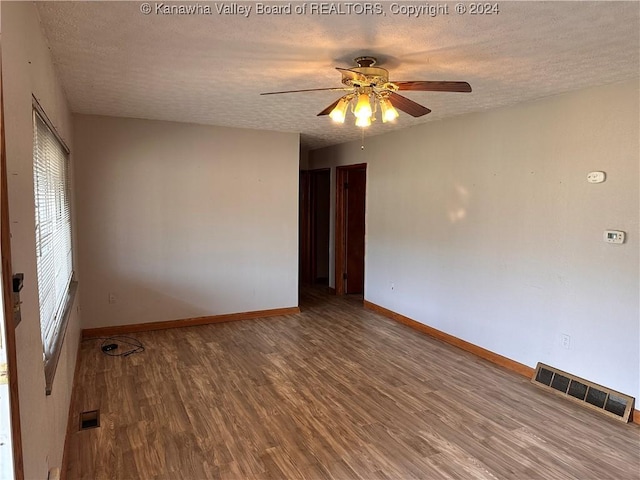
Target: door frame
(7,292)
(340,230)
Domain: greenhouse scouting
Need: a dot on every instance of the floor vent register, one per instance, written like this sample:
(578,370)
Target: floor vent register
(591,395)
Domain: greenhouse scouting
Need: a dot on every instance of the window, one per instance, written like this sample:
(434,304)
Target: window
(53,238)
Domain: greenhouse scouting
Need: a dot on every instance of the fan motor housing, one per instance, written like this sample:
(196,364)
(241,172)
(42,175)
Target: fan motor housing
(375,75)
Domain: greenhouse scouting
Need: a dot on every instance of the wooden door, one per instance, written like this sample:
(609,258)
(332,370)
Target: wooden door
(320,225)
(8,355)
(315,202)
(351,189)
(304,237)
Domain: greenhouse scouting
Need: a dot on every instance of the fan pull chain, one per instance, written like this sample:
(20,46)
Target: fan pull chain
(362,141)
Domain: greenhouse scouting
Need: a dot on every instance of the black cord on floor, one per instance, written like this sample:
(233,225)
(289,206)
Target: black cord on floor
(135,345)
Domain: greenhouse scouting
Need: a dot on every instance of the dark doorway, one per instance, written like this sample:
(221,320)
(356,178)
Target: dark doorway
(351,183)
(314,226)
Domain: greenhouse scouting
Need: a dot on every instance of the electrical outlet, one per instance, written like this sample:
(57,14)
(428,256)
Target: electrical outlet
(566,341)
(112,298)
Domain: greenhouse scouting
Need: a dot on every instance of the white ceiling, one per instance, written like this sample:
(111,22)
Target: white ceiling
(210,69)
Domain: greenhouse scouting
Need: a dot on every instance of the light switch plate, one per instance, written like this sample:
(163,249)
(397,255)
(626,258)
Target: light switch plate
(596,177)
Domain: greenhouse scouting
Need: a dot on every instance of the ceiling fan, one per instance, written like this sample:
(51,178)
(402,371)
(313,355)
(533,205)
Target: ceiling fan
(368,87)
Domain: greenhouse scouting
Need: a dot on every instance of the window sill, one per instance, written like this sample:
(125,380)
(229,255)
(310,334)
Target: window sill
(52,363)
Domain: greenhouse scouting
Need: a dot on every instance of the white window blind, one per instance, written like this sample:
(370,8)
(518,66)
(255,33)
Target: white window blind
(53,230)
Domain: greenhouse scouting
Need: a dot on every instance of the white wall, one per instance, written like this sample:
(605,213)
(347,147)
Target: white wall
(180,220)
(27,68)
(489,230)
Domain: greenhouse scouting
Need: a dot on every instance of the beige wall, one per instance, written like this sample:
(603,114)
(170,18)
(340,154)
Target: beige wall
(178,220)
(27,68)
(487,227)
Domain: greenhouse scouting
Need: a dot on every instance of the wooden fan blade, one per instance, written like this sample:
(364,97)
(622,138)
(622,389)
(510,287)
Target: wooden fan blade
(424,86)
(408,106)
(328,110)
(338,89)
(351,74)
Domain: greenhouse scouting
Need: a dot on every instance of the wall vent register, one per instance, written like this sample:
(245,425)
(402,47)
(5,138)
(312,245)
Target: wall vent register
(591,395)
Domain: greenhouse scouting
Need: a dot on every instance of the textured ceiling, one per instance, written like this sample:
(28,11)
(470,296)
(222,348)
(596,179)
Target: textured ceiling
(210,69)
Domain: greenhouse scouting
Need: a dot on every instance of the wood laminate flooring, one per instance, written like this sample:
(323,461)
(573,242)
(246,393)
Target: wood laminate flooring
(335,392)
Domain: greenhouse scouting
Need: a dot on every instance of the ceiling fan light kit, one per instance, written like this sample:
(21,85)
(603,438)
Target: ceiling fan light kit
(389,114)
(363,107)
(368,86)
(339,113)
(363,122)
